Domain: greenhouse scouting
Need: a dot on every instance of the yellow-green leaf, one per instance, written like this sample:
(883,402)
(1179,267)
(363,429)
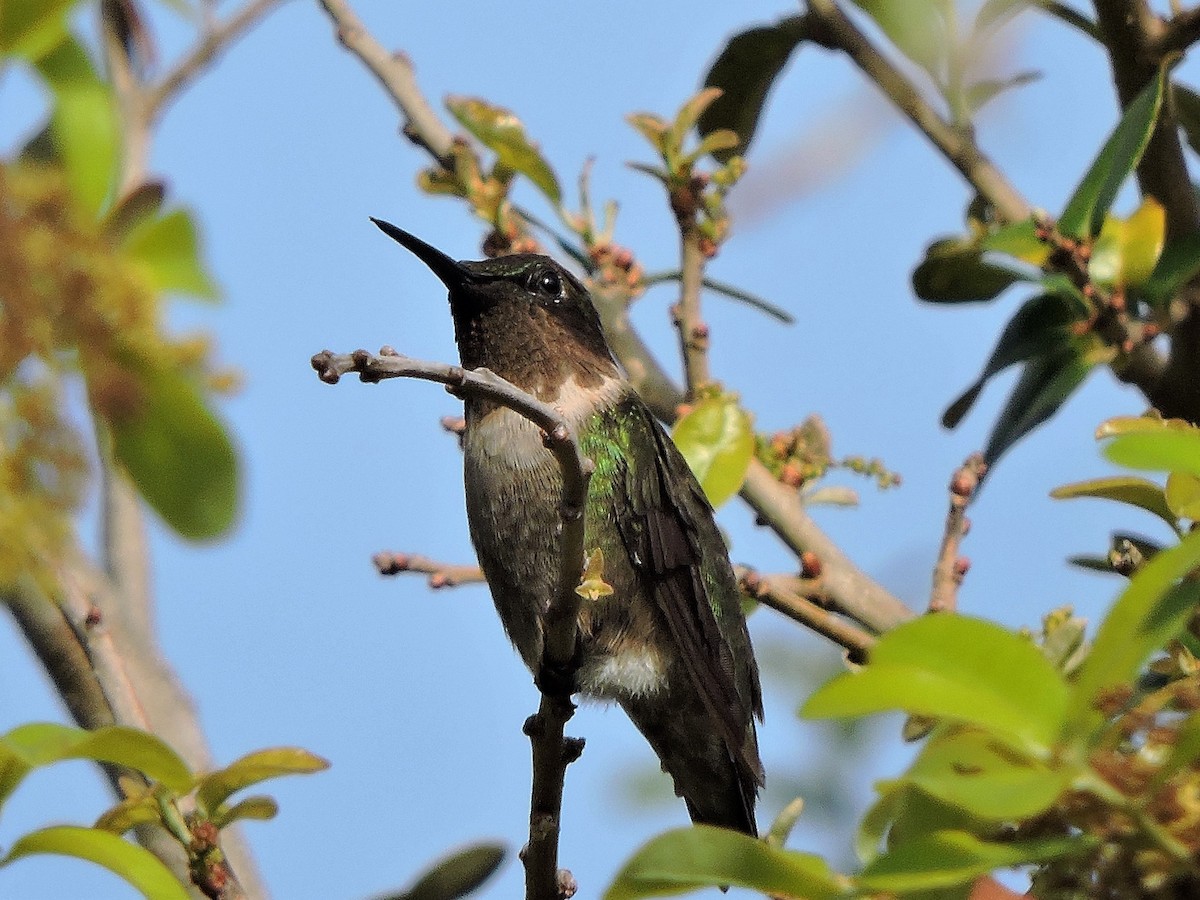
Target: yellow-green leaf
(216,787)
(716,438)
(1130,489)
(168,251)
(502,133)
(1183,495)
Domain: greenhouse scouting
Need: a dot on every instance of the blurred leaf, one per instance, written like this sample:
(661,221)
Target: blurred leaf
(502,133)
(130,813)
(947,858)
(916,815)
(253,768)
(970,770)
(1045,384)
(686,119)
(457,875)
(781,828)
(135,864)
(831,495)
(167,249)
(259,809)
(1139,492)
(653,128)
(981,93)
(1177,265)
(30,28)
(1164,450)
(1020,240)
(179,456)
(702,856)
(84,127)
(1147,424)
(745,71)
(1090,203)
(1068,16)
(42,743)
(955,271)
(716,438)
(1183,495)
(1038,328)
(1185,104)
(135,207)
(917,28)
(1150,611)
(1185,750)
(958,668)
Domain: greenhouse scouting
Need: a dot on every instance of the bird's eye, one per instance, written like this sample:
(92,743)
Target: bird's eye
(547,282)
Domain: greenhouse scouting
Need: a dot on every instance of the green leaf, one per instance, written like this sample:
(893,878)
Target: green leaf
(216,787)
(971,771)
(1178,264)
(135,864)
(1182,495)
(42,743)
(1092,199)
(457,875)
(1020,240)
(686,119)
(30,28)
(1150,611)
(1126,250)
(955,271)
(1038,328)
(168,251)
(1129,489)
(957,668)
(130,813)
(716,438)
(179,456)
(137,206)
(981,93)
(947,858)
(1045,384)
(1164,450)
(1185,750)
(1185,104)
(259,809)
(689,858)
(917,28)
(502,133)
(745,71)
(84,127)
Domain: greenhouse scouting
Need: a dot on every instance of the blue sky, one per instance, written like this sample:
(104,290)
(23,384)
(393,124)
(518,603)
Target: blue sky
(284,633)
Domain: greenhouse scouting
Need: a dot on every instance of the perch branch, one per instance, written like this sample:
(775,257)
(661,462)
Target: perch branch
(950,568)
(441,575)
(693,332)
(790,596)
(552,751)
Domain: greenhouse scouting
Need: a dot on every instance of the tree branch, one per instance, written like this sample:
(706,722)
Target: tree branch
(835,31)
(552,751)
(1177,34)
(693,333)
(780,593)
(950,568)
(441,575)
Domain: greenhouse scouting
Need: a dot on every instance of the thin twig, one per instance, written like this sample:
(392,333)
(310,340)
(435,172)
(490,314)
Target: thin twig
(693,332)
(395,73)
(1176,34)
(552,751)
(780,593)
(215,39)
(441,575)
(950,568)
(834,30)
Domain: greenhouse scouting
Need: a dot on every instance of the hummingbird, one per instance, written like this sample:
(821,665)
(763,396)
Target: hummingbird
(669,644)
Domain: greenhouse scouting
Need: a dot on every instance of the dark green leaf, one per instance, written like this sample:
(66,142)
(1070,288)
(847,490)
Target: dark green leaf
(84,128)
(1185,104)
(179,456)
(457,875)
(1129,489)
(1091,201)
(717,439)
(1045,384)
(690,858)
(955,271)
(947,858)
(1038,328)
(1154,607)
(1068,16)
(216,787)
(135,864)
(745,71)
(502,133)
(134,208)
(971,771)
(1178,265)
(30,28)
(167,249)
(956,668)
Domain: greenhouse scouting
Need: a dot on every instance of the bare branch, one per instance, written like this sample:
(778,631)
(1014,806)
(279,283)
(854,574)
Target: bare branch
(790,595)
(441,575)
(950,568)
(832,29)
(552,751)
(693,332)
(395,73)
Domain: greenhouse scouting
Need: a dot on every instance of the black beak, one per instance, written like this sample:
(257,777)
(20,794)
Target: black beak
(453,275)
